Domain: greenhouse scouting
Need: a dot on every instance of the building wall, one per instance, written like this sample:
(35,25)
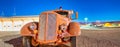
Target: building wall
(15,23)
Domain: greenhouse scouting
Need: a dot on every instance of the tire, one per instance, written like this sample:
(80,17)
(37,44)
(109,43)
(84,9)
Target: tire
(26,42)
(74,41)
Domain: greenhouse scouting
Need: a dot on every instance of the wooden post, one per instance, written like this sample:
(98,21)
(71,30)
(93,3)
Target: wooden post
(12,24)
(2,23)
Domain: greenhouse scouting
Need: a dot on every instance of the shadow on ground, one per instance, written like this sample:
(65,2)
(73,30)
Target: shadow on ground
(17,42)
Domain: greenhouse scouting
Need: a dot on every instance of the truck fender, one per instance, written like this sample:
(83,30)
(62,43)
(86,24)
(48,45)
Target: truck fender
(26,31)
(74,29)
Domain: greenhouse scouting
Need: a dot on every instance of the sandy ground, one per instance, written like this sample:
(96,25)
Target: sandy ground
(88,38)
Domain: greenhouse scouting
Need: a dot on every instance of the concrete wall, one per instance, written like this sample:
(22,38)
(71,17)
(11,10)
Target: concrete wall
(16,23)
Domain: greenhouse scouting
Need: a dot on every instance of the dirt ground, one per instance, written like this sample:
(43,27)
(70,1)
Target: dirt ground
(88,38)
(100,38)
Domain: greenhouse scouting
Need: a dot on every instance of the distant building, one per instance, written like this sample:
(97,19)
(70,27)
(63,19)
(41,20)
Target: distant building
(16,23)
(102,24)
(112,24)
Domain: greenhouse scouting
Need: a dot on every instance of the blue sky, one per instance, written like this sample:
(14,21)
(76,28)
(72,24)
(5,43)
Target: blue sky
(103,10)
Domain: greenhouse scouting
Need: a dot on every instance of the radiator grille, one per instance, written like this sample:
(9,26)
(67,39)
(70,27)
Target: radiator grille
(51,32)
(42,27)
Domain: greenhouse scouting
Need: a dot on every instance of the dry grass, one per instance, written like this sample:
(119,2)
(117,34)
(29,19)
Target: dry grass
(99,38)
(8,33)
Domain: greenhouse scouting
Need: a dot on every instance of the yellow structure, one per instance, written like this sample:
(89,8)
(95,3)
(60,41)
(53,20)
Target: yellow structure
(118,24)
(15,23)
(107,25)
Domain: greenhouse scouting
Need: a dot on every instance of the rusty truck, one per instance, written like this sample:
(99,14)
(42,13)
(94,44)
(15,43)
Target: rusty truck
(55,27)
